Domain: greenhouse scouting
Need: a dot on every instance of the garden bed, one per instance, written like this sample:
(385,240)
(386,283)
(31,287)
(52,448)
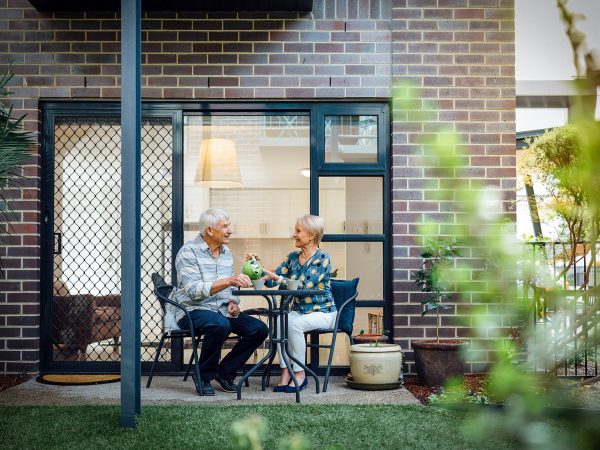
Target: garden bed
(8,381)
(474,385)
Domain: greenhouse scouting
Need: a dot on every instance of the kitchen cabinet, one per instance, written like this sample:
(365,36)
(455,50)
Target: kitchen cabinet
(263,213)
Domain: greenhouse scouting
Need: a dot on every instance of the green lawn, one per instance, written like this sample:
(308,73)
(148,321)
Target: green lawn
(208,427)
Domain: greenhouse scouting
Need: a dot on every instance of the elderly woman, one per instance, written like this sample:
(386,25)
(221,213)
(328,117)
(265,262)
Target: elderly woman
(311,266)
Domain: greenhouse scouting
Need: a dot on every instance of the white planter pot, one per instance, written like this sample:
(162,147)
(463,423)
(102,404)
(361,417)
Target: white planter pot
(380,364)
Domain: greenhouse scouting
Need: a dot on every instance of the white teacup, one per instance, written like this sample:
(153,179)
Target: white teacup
(258,284)
(292,284)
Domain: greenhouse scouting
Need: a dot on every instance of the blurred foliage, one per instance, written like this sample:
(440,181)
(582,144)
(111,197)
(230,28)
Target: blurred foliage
(251,432)
(536,408)
(248,434)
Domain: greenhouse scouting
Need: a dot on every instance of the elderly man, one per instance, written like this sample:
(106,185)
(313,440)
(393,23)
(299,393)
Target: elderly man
(205,279)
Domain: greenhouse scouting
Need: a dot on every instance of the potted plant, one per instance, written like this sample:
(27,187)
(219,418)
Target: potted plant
(371,338)
(373,364)
(437,360)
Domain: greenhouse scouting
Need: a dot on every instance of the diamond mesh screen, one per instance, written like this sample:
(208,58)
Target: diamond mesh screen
(87,225)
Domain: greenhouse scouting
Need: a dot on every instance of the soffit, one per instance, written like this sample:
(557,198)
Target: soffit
(177,5)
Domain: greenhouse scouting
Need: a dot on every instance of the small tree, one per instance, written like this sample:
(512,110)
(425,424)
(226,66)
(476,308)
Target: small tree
(556,159)
(434,277)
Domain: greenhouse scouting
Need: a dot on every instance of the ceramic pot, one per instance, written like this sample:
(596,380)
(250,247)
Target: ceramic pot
(380,364)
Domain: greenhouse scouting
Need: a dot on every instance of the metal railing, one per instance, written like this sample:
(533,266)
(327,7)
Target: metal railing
(561,296)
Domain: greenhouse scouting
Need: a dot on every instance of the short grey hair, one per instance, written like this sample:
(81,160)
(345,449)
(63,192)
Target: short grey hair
(314,225)
(211,218)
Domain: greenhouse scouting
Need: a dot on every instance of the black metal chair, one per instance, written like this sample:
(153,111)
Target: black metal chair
(162,292)
(162,289)
(344,295)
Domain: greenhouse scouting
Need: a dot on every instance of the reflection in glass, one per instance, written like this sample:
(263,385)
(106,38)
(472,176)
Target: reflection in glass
(351,139)
(351,205)
(362,260)
(265,190)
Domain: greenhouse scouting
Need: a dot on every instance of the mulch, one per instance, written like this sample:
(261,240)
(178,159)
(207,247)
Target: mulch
(474,385)
(8,381)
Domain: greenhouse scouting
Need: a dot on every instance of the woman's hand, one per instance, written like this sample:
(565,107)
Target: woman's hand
(250,256)
(270,275)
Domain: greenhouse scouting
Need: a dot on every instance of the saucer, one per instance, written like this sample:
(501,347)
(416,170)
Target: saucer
(372,387)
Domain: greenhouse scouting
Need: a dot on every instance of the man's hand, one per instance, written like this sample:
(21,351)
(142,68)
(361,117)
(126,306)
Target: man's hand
(250,256)
(240,280)
(233,309)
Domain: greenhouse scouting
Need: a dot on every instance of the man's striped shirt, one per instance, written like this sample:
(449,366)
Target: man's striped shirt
(197,270)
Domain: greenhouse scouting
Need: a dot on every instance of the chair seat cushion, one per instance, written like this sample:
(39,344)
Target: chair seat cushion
(107,314)
(170,322)
(342,290)
(322,331)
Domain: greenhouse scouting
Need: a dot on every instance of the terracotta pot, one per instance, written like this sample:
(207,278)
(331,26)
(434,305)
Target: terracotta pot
(380,364)
(436,362)
(365,338)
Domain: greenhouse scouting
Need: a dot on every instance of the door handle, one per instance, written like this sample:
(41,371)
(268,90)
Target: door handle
(57,243)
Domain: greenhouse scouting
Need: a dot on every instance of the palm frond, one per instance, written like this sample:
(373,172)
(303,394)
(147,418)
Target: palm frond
(16,146)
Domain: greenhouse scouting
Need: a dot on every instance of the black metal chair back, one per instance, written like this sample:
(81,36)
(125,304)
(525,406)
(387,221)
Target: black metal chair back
(163,292)
(344,295)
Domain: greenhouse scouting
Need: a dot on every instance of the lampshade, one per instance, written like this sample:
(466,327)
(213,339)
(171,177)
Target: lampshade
(218,164)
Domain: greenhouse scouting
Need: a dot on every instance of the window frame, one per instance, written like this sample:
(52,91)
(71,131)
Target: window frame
(316,110)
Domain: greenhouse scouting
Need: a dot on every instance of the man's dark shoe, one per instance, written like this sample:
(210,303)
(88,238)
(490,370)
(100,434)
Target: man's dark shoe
(226,385)
(204,388)
(207,389)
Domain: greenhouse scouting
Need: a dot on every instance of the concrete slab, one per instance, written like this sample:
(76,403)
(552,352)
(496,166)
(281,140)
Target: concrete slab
(173,391)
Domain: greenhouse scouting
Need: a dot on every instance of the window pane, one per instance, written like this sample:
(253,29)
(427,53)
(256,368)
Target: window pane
(260,185)
(351,139)
(351,205)
(359,259)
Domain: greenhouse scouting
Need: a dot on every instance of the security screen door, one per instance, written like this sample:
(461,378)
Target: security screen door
(84,214)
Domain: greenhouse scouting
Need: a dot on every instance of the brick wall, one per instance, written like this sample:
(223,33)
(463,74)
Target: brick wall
(460,51)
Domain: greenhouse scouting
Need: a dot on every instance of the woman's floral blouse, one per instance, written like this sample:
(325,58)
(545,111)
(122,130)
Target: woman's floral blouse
(314,274)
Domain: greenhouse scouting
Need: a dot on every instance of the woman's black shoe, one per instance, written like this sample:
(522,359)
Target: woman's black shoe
(291,388)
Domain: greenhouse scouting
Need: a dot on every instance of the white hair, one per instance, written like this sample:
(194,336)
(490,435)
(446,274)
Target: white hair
(314,225)
(211,218)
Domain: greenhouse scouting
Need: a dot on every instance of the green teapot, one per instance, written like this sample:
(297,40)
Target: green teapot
(253,269)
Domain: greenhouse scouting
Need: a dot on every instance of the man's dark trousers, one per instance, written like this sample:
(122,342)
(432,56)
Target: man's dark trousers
(215,328)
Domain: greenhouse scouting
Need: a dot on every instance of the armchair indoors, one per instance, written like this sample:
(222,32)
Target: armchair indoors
(82,319)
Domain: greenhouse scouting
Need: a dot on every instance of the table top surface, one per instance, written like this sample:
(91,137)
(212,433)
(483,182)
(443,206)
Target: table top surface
(285,292)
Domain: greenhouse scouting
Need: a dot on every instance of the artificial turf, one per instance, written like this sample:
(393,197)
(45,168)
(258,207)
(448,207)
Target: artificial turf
(209,427)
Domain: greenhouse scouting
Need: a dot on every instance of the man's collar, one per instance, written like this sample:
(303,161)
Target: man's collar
(204,246)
